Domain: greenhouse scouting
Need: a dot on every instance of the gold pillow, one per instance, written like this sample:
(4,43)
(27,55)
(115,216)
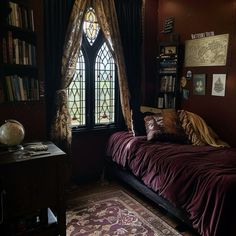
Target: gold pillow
(164,126)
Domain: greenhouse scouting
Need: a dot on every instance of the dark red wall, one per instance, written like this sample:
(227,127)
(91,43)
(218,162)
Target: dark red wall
(201,16)
(88,153)
(150,49)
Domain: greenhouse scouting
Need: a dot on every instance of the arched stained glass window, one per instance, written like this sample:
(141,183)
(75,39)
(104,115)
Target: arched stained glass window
(91,26)
(93,94)
(104,87)
(76,93)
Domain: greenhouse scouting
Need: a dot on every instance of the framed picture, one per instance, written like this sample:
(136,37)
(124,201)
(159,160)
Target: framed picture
(207,51)
(170,50)
(218,84)
(199,84)
(185,94)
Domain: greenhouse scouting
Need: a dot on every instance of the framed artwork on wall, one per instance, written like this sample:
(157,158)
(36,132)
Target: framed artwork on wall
(207,51)
(170,50)
(218,84)
(186,94)
(199,84)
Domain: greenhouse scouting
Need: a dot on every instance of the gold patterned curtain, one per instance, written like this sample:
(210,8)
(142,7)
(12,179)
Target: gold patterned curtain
(60,130)
(106,14)
(107,18)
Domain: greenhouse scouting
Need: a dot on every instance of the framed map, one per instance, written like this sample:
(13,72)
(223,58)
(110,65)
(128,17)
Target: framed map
(208,51)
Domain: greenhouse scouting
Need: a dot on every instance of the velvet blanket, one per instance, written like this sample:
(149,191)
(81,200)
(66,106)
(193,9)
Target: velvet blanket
(201,180)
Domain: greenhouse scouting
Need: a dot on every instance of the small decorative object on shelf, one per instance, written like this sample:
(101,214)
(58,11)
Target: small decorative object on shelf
(12,134)
(168,81)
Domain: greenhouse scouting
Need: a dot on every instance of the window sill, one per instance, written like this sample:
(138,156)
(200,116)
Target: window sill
(96,130)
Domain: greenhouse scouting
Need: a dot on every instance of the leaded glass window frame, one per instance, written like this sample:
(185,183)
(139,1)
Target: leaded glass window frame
(90,52)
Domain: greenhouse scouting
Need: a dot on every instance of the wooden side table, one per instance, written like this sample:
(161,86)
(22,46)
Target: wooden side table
(33,186)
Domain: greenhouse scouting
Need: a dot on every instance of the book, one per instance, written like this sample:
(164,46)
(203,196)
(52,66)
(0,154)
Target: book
(16,57)
(15,87)
(21,87)
(160,102)
(164,82)
(9,89)
(10,46)
(32,20)
(4,50)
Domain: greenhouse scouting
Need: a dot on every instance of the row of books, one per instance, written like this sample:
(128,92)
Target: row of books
(21,17)
(167,101)
(168,63)
(21,88)
(16,51)
(171,57)
(168,70)
(167,83)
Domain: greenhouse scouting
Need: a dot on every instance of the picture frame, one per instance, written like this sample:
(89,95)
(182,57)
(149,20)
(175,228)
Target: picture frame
(170,50)
(186,94)
(207,51)
(199,84)
(218,85)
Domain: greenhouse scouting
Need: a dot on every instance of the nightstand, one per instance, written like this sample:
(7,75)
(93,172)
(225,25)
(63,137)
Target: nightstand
(33,193)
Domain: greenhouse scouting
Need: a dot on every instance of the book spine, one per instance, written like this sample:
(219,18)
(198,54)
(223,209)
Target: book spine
(9,89)
(4,50)
(10,47)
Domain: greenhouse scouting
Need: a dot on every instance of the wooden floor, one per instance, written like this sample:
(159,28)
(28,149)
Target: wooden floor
(75,191)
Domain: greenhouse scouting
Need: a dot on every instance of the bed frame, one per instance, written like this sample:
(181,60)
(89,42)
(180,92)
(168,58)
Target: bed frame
(113,170)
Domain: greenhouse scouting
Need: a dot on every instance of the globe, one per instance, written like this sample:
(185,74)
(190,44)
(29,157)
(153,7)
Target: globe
(12,133)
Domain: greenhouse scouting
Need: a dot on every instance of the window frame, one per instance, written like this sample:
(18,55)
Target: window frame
(90,54)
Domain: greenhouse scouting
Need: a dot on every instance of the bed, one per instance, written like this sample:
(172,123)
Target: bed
(196,183)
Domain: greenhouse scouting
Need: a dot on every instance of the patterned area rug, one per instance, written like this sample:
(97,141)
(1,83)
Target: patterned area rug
(113,213)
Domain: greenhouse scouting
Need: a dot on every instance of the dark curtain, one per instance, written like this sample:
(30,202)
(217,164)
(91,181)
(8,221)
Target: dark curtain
(129,14)
(56,16)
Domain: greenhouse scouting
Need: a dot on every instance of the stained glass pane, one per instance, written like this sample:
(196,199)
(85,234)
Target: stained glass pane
(76,94)
(104,87)
(90,26)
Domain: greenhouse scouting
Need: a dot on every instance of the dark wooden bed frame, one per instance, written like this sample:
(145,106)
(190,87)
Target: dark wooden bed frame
(113,170)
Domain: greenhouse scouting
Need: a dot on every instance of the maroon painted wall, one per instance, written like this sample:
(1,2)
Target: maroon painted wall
(201,16)
(88,153)
(150,49)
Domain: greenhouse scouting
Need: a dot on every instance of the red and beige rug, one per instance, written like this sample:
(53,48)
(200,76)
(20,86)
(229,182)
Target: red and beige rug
(113,213)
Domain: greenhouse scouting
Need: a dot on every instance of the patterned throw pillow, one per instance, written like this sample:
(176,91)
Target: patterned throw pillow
(138,125)
(164,126)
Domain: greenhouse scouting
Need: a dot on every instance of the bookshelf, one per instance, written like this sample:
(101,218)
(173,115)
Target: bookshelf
(21,64)
(168,71)
(19,80)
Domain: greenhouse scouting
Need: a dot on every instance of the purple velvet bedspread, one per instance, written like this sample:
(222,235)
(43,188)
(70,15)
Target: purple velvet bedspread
(201,180)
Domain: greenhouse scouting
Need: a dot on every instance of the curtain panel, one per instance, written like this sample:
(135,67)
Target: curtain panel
(130,19)
(106,14)
(60,129)
(56,16)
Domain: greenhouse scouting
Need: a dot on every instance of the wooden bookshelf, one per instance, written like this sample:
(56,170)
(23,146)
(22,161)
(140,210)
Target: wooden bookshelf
(21,63)
(168,75)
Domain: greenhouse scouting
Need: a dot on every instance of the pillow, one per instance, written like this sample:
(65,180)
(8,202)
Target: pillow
(164,126)
(138,125)
(197,130)
(194,137)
